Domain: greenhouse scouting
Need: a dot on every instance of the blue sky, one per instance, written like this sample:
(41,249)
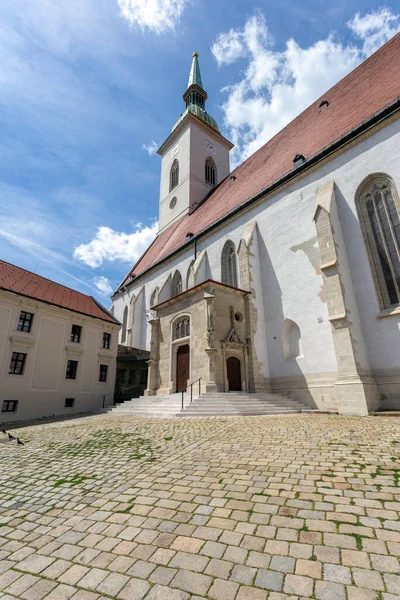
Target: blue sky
(87,85)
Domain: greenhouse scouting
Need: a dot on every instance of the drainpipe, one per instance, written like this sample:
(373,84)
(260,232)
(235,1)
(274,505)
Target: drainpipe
(189,236)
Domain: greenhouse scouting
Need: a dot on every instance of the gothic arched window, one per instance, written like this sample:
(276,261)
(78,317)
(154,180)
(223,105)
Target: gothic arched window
(229,264)
(190,276)
(124,325)
(379,211)
(210,171)
(154,298)
(174,175)
(176,284)
(181,328)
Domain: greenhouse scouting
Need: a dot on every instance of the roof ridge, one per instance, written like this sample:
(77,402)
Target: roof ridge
(104,310)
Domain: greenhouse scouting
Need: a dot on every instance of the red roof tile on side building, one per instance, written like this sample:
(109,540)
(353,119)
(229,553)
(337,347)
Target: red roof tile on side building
(373,85)
(19,281)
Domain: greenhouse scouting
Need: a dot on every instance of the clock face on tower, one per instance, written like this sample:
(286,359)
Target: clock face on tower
(210,147)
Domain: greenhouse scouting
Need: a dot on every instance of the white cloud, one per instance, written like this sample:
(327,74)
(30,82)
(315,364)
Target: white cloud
(276,86)
(151,148)
(157,15)
(103,285)
(47,256)
(36,249)
(110,245)
(375,28)
(228,47)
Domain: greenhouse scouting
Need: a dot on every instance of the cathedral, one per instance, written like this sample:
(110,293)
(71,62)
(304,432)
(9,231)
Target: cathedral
(282,276)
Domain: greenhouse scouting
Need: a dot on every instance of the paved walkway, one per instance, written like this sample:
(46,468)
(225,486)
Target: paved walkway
(228,509)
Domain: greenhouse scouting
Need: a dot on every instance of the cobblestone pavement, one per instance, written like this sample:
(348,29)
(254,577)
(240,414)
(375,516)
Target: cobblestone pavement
(299,506)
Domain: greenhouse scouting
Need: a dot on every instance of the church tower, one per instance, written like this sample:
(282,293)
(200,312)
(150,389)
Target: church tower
(194,157)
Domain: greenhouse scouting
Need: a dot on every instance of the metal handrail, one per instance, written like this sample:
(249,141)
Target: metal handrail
(191,390)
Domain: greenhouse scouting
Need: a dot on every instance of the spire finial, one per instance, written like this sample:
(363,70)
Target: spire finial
(195,76)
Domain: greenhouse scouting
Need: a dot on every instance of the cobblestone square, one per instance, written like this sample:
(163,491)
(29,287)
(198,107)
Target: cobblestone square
(247,508)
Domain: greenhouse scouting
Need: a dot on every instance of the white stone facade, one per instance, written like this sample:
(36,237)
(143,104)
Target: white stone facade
(42,389)
(348,357)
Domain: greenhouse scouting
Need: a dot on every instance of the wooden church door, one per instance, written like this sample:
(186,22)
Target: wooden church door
(182,367)
(234,374)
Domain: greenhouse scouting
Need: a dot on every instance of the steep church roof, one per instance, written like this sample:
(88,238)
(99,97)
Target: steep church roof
(342,111)
(19,281)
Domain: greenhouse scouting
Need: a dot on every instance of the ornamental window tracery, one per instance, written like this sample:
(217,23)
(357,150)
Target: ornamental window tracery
(210,171)
(174,175)
(379,210)
(229,271)
(182,328)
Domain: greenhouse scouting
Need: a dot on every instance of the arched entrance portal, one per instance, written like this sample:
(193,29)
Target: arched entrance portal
(234,374)
(182,367)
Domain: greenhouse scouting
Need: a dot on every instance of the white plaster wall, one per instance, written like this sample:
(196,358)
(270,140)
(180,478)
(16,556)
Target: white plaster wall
(182,190)
(291,283)
(42,389)
(199,135)
(357,334)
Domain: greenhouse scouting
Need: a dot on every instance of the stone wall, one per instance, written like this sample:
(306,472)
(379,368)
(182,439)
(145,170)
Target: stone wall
(282,267)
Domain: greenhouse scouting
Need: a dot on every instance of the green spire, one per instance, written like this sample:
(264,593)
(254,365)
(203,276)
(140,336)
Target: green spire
(195,75)
(195,97)
(195,93)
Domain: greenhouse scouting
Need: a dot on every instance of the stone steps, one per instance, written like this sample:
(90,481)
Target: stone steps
(212,404)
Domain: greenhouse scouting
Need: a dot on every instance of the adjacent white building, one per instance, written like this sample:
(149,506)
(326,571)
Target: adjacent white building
(58,348)
(283,275)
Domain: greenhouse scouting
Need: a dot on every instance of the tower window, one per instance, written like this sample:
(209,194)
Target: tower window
(173,202)
(210,171)
(379,209)
(174,175)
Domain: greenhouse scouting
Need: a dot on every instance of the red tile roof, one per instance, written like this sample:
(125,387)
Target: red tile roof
(17,280)
(357,97)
